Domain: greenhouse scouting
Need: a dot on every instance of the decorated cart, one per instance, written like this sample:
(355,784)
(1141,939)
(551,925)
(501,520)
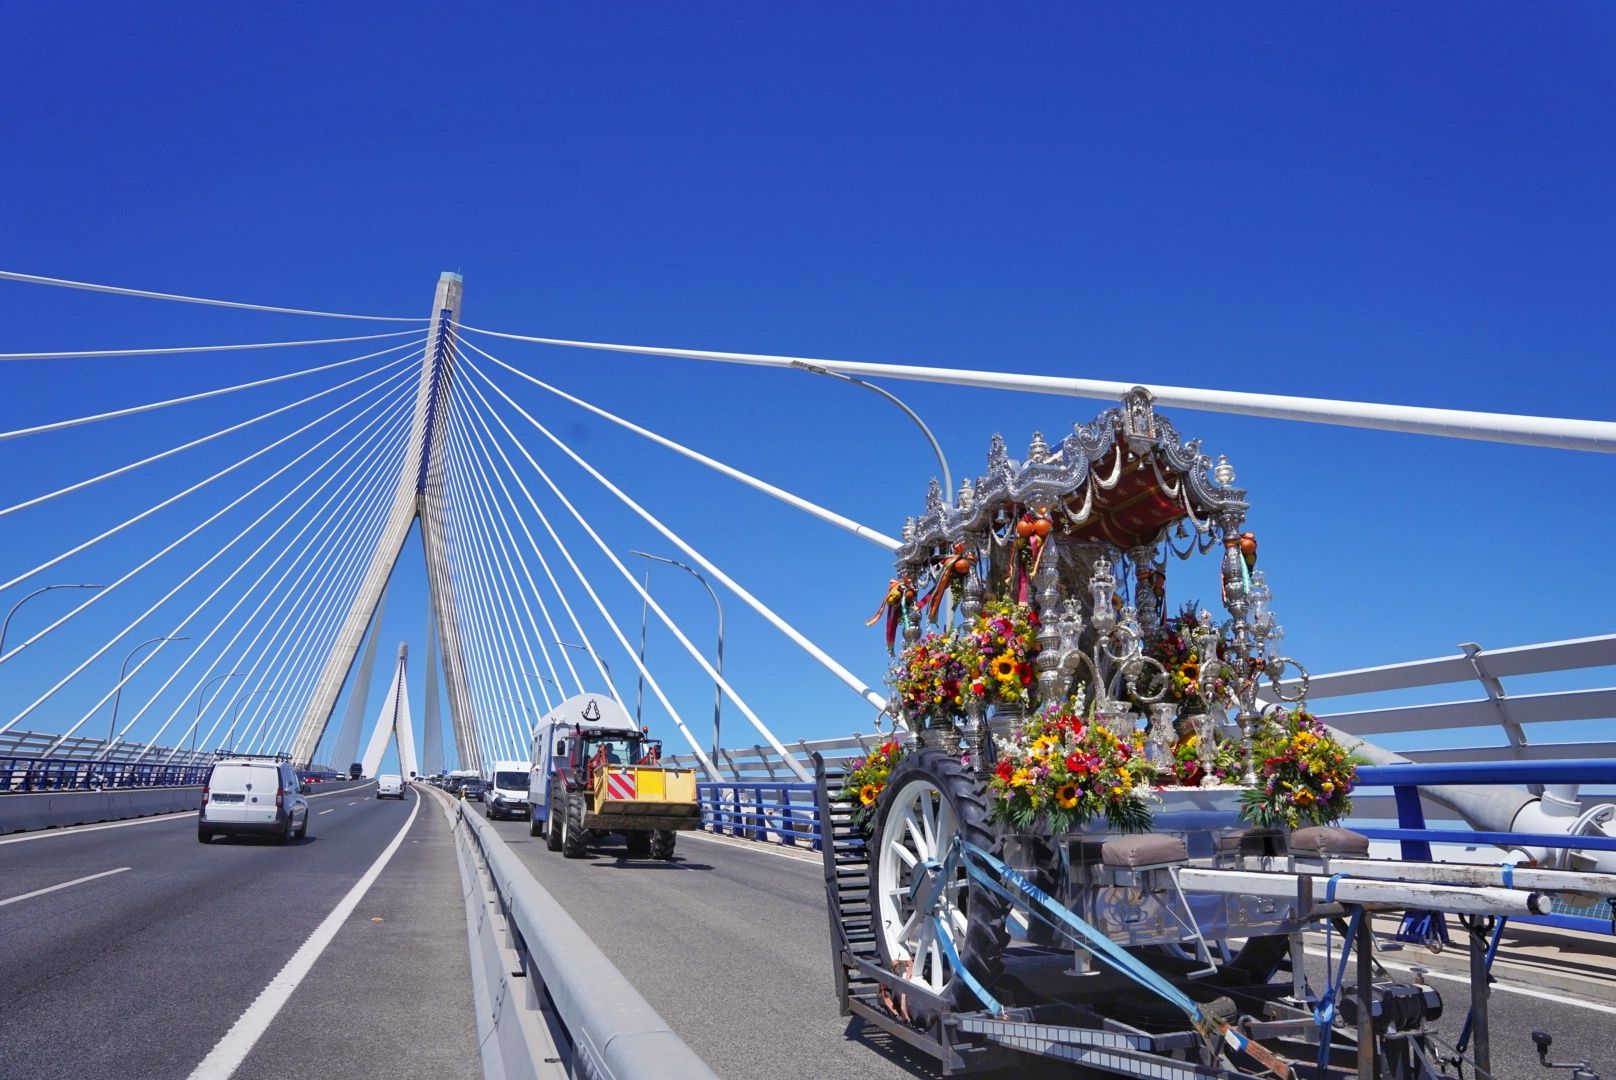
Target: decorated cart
(1103,819)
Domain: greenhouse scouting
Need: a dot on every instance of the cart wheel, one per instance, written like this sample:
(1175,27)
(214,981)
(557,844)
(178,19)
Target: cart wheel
(929,798)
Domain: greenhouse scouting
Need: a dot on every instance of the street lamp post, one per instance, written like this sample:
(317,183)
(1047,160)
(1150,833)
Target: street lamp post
(598,658)
(545,678)
(200,696)
(718,666)
(117,695)
(942,462)
(24,600)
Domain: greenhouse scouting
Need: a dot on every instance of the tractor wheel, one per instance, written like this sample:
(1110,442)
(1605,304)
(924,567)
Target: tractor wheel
(928,800)
(661,844)
(638,844)
(553,823)
(574,837)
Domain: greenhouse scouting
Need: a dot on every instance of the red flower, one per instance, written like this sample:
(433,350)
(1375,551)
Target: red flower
(1076,764)
(1003,771)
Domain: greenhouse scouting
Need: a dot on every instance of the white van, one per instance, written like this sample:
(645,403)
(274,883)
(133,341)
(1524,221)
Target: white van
(507,790)
(390,786)
(253,795)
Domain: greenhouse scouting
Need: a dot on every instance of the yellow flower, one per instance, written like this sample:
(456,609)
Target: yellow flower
(868,794)
(1066,796)
(1127,778)
(1003,667)
(1044,745)
(1020,778)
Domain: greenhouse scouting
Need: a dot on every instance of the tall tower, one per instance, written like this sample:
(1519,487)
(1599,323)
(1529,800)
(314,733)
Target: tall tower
(419,498)
(394,720)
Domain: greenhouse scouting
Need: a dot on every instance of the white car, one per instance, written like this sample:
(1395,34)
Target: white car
(390,786)
(253,795)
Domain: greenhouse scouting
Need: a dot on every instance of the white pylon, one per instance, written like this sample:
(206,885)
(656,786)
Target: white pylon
(394,719)
(419,498)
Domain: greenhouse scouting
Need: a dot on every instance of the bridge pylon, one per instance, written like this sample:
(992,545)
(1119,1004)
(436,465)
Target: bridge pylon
(420,497)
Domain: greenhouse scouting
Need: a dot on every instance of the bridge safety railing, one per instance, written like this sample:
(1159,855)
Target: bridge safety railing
(611,1031)
(25,774)
(1416,838)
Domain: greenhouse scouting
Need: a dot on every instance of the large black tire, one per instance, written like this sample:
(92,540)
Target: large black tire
(574,837)
(638,844)
(533,828)
(940,776)
(662,844)
(553,823)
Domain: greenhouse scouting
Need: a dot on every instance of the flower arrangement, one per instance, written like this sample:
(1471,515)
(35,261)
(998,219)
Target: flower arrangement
(1174,648)
(996,650)
(930,677)
(867,777)
(1226,761)
(1305,777)
(1067,771)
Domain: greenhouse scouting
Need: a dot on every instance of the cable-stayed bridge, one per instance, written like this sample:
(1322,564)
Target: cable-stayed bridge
(215,566)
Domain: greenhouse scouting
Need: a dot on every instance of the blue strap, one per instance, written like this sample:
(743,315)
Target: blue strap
(1052,912)
(1329,887)
(964,972)
(1509,875)
(1324,1013)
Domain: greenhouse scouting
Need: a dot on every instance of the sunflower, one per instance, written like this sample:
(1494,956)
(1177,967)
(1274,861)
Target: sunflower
(1044,745)
(1003,667)
(1066,796)
(868,794)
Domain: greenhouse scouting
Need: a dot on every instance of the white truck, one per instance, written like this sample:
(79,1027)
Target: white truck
(506,794)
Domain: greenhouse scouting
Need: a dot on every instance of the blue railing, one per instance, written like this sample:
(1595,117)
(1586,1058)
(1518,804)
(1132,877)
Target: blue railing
(771,812)
(1416,839)
(19,775)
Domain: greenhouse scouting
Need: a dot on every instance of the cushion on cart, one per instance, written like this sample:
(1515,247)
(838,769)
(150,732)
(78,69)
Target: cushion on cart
(1146,849)
(1328,840)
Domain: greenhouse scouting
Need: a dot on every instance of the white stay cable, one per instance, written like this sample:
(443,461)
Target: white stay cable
(321,568)
(180,349)
(324,552)
(503,605)
(331,512)
(645,595)
(187,580)
(170,452)
(555,633)
(379,427)
(150,406)
(650,679)
(507,548)
(494,609)
(1598,436)
(488,675)
(35,279)
(100,594)
(829,663)
(813,509)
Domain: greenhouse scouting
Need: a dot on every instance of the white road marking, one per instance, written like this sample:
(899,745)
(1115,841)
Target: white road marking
(232,1050)
(779,851)
(333,810)
(1562,997)
(63,885)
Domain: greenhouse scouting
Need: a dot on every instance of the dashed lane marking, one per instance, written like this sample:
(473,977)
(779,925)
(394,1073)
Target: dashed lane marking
(63,885)
(238,1042)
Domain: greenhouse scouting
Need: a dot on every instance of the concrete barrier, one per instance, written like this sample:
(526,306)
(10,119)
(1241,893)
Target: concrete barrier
(58,809)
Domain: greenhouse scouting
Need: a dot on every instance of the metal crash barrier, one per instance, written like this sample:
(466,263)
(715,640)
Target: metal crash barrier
(548,1000)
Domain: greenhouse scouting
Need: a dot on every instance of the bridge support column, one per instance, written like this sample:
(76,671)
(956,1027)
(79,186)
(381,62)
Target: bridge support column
(419,498)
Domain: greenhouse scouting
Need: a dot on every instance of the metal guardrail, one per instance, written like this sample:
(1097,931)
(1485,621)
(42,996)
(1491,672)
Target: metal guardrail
(770,813)
(24,774)
(614,1033)
(1416,839)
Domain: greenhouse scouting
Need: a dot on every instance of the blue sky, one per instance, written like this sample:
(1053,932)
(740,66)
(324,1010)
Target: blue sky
(1387,203)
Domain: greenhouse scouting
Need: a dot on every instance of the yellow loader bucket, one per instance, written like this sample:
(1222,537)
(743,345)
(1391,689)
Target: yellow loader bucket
(644,797)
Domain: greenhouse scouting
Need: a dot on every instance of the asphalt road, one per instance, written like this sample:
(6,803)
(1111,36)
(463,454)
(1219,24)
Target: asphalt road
(141,972)
(731,944)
